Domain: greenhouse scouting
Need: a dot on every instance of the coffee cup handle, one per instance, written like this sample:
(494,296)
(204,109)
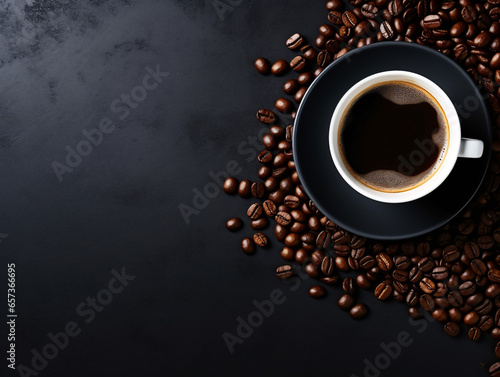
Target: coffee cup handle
(471,148)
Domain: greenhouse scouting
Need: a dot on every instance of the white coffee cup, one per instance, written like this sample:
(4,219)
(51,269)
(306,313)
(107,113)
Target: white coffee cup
(456,146)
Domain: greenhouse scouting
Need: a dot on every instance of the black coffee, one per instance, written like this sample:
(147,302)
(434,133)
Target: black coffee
(393,136)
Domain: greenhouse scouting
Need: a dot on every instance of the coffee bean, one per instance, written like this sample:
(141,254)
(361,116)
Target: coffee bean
(248,246)
(317,291)
(300,94)
(353,263)
(345,302)
(427,302)
(255,211)
(327,265)
(440,273)
(234,224)
(471,250)
(412,298)
(384,262)
(484,307)
(230,186)
(475,300)
(262,66)
(291,86)
(369,10)
(327,30)
(482,39)
(485,242)
(349,19)
(432,21)
(330,279)
(284,105)
(308,52)
(495,61)
(258,190)
(485,323)
(324,58)
(270,143)
(409,16)
(451,253)
(414,313)
(283,218)
(277,131)
(362,281)
(279,68)
(383,291)
(292,201)
(284,272)
(260,239)
(259,223)
(497,350)
(298,63)
(415,275)
(495,333)
(305,78)
(467,288)
(469,14)
(400,275)
(367,262)
(471,318)
(494,275)
(334,5)
(244,188)
(458,29)
(423,249)
(287,253)
(474,334)
(395,7)
(426,264)
(266,116)
(478,266)
(492,291)
(335,17)
(455,299)
(294,42)
(269,208)
(292,239)
(312,270)
(495,370)
(452,329)
(427,285)
(358,311)
(348,286)
(323,239)
(386,30)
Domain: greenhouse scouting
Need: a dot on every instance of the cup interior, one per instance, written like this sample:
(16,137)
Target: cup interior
(441,170)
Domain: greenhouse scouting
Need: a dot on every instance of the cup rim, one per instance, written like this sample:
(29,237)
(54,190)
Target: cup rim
(454,132)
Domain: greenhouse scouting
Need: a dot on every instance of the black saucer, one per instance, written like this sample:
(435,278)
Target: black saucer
(334,197)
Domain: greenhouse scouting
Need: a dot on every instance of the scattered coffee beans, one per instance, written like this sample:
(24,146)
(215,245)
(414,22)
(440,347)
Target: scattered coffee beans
(453,272)
(234,224)
(317,291)
(262,66)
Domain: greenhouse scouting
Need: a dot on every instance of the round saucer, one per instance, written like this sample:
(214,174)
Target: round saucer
(328,190)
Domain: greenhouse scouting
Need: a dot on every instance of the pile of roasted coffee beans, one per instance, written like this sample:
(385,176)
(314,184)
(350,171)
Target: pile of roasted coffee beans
(454,272)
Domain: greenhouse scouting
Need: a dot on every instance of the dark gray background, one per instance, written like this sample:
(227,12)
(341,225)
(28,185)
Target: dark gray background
(62,64)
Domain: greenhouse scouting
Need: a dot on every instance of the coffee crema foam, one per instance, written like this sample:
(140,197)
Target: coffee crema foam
(402,93)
